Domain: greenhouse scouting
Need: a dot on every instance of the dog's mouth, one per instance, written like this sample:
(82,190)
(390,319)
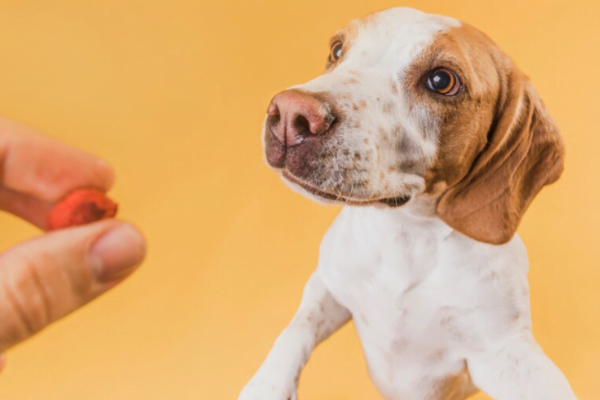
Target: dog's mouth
(390,201)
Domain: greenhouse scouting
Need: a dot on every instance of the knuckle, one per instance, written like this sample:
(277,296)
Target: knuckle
(104,170)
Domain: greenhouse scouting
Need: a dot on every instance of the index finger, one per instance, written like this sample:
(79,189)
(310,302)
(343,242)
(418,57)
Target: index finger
(45,169)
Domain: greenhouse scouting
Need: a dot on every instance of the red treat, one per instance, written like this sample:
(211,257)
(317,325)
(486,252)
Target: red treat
(80,207)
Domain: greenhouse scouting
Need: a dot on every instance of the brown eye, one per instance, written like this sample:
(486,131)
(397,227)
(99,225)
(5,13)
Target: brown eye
(443,81)
(336,51)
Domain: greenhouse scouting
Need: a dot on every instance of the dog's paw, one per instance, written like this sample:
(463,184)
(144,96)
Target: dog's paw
(268,389)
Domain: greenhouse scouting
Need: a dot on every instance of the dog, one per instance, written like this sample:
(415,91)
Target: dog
(436,144)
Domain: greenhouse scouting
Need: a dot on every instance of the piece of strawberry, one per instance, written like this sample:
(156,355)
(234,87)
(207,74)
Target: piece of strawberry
(80,207)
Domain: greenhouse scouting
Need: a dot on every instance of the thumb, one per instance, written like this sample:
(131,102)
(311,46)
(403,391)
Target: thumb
(46,278)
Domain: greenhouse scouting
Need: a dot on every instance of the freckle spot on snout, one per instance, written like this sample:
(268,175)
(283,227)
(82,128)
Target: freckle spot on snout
(366,140)
(357,156)
(357,124)
(388,107)
(362,103)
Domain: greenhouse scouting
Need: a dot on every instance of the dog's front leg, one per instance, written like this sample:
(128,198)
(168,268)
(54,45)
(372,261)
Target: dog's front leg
(517,368)
(318,317)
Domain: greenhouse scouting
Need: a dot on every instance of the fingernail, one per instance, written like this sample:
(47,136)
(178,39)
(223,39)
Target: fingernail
(116,252)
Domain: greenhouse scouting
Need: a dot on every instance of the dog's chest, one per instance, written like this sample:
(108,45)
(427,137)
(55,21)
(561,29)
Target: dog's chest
(395,278)
(414,298)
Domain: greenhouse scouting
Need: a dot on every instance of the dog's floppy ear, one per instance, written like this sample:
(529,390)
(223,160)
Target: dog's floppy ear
(524,152)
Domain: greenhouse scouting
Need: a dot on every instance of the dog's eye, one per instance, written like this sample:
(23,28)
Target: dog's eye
(443,81)
(336,51)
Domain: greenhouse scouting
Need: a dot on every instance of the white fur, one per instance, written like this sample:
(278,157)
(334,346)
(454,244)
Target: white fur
(378,59)
(428,303)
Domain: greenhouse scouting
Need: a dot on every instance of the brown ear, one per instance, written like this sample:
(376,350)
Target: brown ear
(524,152)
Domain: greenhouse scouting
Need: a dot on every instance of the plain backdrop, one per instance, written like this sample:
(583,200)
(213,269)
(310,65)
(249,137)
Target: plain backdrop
(173,93)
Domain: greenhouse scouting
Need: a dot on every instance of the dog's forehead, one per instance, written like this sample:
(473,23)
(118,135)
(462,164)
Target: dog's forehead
(396,35)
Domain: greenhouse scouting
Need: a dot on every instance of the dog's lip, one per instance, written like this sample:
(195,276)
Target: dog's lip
(390,201)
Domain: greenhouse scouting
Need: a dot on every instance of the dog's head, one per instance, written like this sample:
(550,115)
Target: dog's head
(413,104)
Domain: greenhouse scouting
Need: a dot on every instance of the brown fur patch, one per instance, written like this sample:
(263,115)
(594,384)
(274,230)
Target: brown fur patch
(464,119)
(497,145)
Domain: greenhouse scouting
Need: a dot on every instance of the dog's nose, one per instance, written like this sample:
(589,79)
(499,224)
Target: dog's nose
(295,115)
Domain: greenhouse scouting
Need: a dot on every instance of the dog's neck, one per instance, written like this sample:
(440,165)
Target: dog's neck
(421,207)
(417,213)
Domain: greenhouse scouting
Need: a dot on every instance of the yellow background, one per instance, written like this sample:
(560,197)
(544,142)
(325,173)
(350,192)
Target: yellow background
(172,94)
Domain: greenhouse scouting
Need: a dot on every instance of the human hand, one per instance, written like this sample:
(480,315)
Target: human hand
(46,278)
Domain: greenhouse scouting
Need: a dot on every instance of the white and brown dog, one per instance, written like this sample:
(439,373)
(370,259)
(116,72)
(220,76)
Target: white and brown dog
(437,144)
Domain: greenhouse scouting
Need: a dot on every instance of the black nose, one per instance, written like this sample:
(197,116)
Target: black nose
(295,115)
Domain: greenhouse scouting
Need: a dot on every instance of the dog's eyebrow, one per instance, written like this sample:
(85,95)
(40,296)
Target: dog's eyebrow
(338,37)
(436,58)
